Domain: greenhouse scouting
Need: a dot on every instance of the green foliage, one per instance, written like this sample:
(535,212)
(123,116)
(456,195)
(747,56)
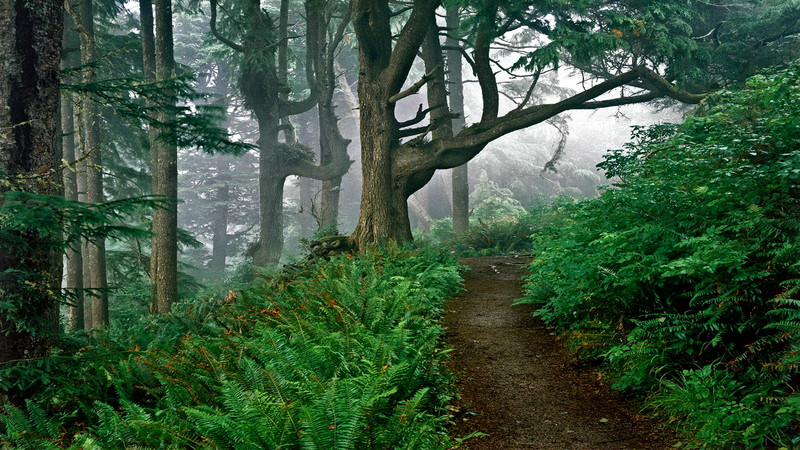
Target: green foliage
(691,260)
(194,125)
(493,202)
(501,236)
(32,224)
(343,355)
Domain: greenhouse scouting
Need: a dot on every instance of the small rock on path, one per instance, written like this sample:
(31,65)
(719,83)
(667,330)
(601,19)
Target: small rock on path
(518,383)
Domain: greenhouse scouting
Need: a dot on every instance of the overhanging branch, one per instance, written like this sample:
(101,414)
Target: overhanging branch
(468,143)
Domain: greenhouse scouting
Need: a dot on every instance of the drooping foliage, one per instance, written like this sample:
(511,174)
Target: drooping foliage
(56,223)
(342,355)
(684,275)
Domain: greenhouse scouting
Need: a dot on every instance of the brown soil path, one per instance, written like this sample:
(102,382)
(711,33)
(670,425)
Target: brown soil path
(517,381)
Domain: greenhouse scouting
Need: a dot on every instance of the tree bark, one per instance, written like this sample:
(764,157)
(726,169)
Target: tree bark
(73,254)
(384,211)
(95,256)
(74,267)
(270,193)
(332,145)
(382,72)
(80,174)
(30,53)
(164,257)
(147,32)
(460,174)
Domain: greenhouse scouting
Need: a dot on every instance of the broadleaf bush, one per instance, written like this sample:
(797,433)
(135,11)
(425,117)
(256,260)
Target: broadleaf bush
(684,275)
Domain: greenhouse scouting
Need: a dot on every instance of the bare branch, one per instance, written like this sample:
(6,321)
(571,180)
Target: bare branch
(528,94)
(643,98)
(468,143)
(335,168)
(414,87)
(419,117)
(408,43)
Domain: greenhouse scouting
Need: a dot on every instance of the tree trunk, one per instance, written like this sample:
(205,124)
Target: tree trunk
(308,188)
(271,180)
(219,223)
(80,182)
(460,174)
(74,268)
(384,210)
(164,257)
(74,256)
(332,146)
(95,256)
(262,82)
(30,53)
(388,180)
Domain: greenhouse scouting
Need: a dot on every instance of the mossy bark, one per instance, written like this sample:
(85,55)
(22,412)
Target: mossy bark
(30,54)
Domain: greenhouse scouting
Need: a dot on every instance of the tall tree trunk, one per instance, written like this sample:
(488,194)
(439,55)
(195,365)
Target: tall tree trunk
(81,179)
(263,86)
(74,267)
(164,260)
(460,174)
(219,221)
(74,255)
(308,131)
(332,146)
(387,180)
(80,182)
(95,256)
(149,67)
(30,53)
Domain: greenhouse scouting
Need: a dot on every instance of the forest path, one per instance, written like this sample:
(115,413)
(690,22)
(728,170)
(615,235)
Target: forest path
(518,383)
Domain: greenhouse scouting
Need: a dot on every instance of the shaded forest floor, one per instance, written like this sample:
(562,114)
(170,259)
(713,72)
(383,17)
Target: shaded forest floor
(518,383)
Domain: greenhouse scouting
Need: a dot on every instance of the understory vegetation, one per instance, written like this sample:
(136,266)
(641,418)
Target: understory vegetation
(499,234)
(343,354)
(683,277)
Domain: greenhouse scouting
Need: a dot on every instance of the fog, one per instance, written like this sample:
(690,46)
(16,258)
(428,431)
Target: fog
(512,166)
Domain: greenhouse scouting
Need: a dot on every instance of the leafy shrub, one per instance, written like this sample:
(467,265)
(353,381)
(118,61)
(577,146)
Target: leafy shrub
(493,202)
(345,355)
(690,261)
(500,236)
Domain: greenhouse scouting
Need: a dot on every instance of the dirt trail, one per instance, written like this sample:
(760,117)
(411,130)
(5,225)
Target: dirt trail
(517,381)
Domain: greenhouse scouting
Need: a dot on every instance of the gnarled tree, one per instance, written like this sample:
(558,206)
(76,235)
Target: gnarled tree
(399,157)
(263,89)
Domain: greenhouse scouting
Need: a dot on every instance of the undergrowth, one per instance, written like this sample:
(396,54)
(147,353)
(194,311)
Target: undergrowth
(499,235)
(344,355)
(684,276)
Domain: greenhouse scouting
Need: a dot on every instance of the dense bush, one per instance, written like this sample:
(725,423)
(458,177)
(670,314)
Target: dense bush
(343,355)
(684,276)
(498,236)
